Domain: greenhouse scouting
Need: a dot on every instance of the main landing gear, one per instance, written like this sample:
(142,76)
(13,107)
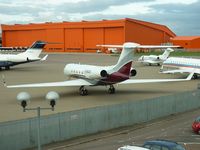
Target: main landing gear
(7,68)
(111,90)
(195,76)
(83,91)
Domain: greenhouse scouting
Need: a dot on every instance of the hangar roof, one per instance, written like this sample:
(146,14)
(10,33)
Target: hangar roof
(185,38)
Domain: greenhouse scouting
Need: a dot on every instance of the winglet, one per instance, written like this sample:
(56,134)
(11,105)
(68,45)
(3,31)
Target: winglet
(4,81)
(44,58)
(190,76)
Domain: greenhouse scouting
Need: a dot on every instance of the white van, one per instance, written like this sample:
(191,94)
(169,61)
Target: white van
(127,147)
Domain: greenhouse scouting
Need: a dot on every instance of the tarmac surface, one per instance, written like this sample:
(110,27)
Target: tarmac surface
(51,70)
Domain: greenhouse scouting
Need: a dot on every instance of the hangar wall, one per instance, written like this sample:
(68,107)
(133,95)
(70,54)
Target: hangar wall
(84,36)
(191,43)
(146,34)
(22,134)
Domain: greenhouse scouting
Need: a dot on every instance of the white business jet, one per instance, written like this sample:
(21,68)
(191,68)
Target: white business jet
(155,59)
(30,55)
(181,65)
(89,75)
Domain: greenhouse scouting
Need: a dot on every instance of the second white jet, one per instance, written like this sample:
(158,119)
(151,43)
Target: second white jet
(30,55)
(155,59)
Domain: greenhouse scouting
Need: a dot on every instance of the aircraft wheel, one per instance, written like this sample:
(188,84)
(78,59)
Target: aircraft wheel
(158,64)
(195,76)
(7,67)
(149,64)
(83,91)
(111,90)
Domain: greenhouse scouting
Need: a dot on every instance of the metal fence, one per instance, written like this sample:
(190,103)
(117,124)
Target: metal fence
(16,135)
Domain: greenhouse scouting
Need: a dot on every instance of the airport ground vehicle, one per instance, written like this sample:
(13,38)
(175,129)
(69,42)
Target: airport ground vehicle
(196,125)
(162,145)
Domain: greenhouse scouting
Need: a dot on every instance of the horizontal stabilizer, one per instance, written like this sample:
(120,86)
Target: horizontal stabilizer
(136,45)
(44,58)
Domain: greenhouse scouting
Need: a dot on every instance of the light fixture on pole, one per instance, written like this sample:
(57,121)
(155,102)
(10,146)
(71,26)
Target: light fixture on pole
(24,97)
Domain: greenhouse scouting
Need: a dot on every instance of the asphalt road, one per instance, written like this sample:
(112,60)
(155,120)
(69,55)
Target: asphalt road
(52,71)
(175,127)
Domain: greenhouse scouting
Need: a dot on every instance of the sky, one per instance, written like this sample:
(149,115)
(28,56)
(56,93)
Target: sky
(181,16)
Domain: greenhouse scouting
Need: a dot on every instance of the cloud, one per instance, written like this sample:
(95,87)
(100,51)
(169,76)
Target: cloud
(179,15)
(181,18)
(94,5)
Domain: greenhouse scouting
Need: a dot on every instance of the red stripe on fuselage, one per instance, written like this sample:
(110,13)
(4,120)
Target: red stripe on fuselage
(121,75)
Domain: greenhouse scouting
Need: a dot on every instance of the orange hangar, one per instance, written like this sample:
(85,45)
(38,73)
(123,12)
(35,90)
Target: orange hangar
(85,35)
(190,43)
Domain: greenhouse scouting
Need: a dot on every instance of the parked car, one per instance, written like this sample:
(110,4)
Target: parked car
(128,147)
(162,145)
(196,125)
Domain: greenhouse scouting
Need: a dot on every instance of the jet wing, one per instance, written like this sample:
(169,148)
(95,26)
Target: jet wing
(131,81)
(77,82)
(187,70)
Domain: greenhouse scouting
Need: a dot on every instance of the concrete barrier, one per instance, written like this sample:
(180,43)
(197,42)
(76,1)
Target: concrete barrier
(22,134)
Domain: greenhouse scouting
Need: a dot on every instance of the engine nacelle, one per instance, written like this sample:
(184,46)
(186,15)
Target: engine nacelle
(103,73)
(133,72)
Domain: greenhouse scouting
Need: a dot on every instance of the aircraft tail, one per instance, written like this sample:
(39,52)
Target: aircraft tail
(124,63)
(35,49)
(166,54)
(126,57)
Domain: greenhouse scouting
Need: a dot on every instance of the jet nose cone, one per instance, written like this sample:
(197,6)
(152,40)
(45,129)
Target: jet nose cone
(65,70)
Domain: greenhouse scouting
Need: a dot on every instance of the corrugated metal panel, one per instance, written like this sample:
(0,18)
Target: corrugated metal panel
(92,37)
(143,34)
(187,42)
(83,36)
(73,40)
(55,36)
(154,25)
(114,35)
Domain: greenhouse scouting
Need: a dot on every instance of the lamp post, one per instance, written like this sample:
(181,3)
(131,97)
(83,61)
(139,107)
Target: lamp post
(24,97)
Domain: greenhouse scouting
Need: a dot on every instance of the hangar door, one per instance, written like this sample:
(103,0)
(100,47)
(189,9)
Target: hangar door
(23,37)
(114,35)
(10,39)
(55,36)
(92,37)
(74,40)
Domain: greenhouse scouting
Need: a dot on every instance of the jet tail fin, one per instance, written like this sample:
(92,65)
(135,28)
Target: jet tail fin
(166,54)
(35,49)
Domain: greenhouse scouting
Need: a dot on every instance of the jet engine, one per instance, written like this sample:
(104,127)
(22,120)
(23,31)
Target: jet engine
(133,72)
(103,73)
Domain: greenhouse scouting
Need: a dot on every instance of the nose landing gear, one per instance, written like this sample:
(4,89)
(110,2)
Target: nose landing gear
(83,91)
